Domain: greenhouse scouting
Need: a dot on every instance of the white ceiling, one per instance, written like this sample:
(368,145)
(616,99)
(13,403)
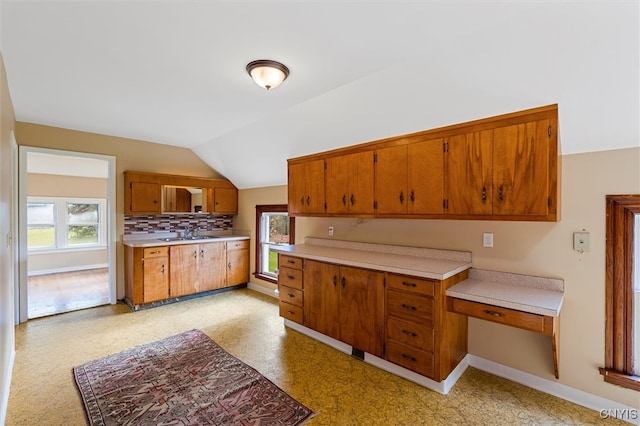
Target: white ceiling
(173,72)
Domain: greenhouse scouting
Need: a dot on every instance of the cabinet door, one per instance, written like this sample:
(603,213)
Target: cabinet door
(184,269)
(349,183)
(225,200)
(296,188)
(237,266)
(321,298)
(425,162)
(306,187)
(211,266)
(391,180)
(155,278)
(468,173)
(521,169)
(362,309)
(145,197)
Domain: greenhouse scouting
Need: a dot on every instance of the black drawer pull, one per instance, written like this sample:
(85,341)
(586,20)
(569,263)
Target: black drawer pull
(291,261)
(291,312)
(493,313)
(409,307)
(409,284)
(409,333)
(291,295)
(409,357)
(291,277)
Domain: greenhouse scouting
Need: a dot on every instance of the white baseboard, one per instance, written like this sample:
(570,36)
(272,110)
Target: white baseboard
(67,269)
(262,289)
(6,386)
(594,402)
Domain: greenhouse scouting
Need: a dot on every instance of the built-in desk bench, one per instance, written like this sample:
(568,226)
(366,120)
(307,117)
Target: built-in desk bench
(523,301)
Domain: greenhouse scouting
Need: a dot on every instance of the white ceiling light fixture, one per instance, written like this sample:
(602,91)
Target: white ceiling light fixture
(267,73)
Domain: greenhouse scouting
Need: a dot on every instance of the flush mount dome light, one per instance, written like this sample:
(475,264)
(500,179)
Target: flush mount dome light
(266,73)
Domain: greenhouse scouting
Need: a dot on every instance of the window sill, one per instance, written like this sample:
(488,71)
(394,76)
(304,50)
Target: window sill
(65,249)
(620,379)
(266,278)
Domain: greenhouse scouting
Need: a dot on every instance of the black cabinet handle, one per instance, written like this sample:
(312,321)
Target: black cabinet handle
(409,333)
(493,313)
(484,194)
(501,193)
(409,284)
(401,197)
(409,307)
(344,282)
(353,199)
(409,358)
(335,280)
(344,199)
(412,196)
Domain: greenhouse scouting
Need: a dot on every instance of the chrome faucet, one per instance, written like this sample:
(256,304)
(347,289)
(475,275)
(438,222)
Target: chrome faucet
(187,231)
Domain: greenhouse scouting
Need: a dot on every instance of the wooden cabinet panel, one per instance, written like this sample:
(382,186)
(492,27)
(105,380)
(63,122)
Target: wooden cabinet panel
(291,312)
(291,288)
(521,169)
(144,197)
(306,187)
(321,298)
(409,357)
(422,286)
(293,296)
(391,175)
(349,183)
(401,304)
(225,200)
(410,333)
(425,164)
(156,278)
(290,277)
(211,266)
(184,269)
(237,262)
(289,262)
(468,176)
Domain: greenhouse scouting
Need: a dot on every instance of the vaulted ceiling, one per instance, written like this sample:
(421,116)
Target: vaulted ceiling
(174,72)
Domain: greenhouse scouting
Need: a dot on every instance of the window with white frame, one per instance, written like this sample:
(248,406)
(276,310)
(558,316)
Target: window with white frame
(273,227)
(55,223)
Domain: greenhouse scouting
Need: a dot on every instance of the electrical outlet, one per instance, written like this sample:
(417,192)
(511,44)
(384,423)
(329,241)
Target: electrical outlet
(581,241)
(331,231)
(487,239)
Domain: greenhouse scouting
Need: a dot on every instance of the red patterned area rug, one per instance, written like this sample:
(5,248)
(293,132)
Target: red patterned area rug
(186,379)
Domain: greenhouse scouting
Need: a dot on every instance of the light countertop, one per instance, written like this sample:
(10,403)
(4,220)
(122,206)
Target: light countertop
(414,261)
(155,240)
(538,295)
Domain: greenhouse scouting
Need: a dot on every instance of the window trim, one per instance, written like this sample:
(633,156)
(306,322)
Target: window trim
(270,208)
(618,369)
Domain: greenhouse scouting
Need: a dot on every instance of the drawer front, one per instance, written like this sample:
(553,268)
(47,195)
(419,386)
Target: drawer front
(419,336)
(525,320)
(409,306)
(285,261)
(156,252)
(416,285)
(415,360)
(291,295)
(291,312)
(237,245)
(290,277)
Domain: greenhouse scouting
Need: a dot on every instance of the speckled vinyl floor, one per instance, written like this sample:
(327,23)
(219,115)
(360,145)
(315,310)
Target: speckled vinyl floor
(339,388)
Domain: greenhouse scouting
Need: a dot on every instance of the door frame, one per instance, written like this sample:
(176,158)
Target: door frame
(21,291)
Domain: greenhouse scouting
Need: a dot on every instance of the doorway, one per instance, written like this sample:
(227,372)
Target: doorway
(67,231)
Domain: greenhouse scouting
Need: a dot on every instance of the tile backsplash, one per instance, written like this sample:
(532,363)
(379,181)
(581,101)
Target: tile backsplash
(152,224)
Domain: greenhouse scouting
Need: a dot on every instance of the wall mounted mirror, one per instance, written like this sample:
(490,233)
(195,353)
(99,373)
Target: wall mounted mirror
(183,199)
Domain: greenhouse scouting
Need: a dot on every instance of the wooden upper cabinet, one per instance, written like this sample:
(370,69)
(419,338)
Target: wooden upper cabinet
(498,168)
(144,197)
(306,187)
(391,180)
(349,183)
(469,173)
(155,193)
(521,169)
(425,164)
(409,178)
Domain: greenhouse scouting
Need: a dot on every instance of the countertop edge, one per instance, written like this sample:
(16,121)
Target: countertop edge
(159,242)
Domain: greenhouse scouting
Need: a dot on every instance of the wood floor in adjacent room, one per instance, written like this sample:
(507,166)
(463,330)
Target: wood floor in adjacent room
(342,390)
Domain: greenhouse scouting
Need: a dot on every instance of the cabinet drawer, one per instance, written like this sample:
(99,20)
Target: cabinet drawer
(156,252)
(285,261)
(237,245)
(291,312)
(290,277)
(291,295)
(414,359)
(525,320)
(413,284)
(419,336)
(409,306)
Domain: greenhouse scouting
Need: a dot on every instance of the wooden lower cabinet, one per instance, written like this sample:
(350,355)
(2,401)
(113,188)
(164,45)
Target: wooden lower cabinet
(147,272)
(421,335)
(163,272)
(291,288)
(345,303)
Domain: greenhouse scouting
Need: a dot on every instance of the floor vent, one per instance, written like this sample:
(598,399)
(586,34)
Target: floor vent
(357,353)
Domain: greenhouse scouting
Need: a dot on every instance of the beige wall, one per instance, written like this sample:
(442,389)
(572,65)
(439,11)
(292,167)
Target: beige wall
(7,346)
(130,155)
(543,249)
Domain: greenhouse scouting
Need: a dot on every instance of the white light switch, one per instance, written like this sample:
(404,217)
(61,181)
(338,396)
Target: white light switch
(487,239)
(581,241)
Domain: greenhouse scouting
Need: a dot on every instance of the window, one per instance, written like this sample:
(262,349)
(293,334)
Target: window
(622,287)
(273,227)
(64,223)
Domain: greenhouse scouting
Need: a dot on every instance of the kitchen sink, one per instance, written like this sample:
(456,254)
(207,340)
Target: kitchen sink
(204,237)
